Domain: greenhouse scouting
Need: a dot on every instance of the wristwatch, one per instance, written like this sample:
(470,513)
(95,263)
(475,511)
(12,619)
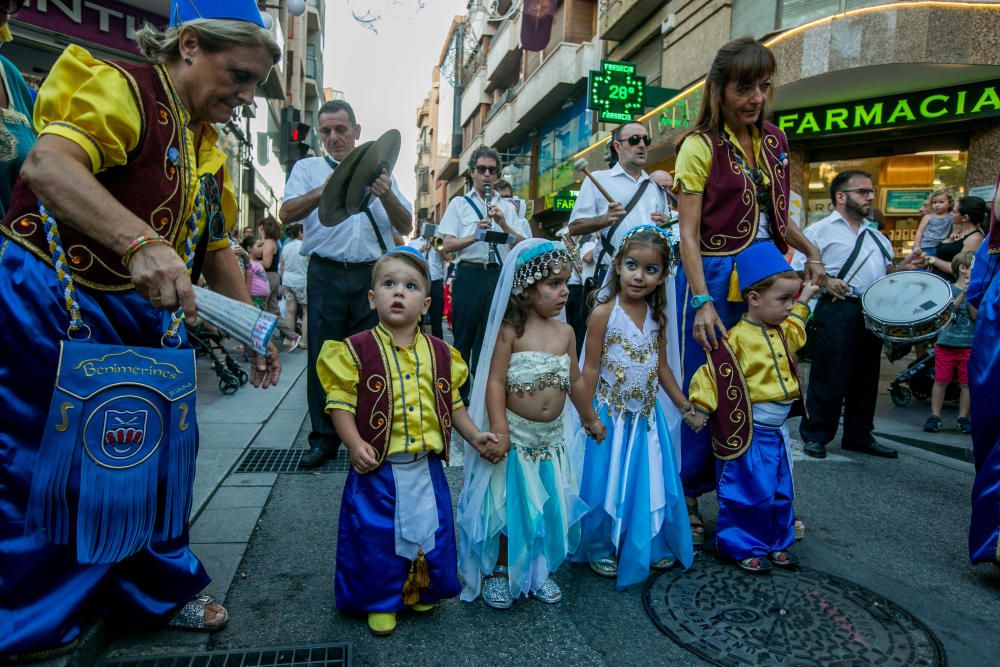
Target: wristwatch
(699,300)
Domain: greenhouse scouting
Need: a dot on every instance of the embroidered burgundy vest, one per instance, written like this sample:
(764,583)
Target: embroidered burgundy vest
(994,237)
(373,413)
(153,186)
(729,210)
(732,422)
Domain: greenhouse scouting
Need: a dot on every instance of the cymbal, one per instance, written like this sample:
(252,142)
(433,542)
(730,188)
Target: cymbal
(333,201)
(382,155)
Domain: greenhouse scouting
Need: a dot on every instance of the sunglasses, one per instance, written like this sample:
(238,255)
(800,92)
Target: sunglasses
(483,169)
(636,138)
(213,206)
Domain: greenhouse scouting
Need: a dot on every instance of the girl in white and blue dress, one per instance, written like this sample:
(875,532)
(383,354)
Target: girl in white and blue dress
(519,509)
(637,516)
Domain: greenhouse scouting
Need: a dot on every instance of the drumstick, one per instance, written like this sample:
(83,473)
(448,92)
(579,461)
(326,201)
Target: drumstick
(581,165)
(858,268)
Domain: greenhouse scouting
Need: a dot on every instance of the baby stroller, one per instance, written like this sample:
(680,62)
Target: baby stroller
(208,341)
(917,380)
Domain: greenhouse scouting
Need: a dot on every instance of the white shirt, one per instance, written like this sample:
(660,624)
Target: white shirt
(835,238)
(588,268)
(295,266)
(590,203)
(432,256)
(353,240)
(460,219)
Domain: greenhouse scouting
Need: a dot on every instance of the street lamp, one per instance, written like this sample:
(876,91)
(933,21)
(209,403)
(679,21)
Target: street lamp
(295,8)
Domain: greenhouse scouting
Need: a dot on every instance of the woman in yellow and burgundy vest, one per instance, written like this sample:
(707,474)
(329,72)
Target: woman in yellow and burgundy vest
(732,182)
(126,162)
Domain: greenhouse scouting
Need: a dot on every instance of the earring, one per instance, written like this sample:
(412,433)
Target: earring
(188,61)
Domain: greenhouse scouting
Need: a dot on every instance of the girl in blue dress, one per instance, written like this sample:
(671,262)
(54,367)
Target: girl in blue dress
(637,517)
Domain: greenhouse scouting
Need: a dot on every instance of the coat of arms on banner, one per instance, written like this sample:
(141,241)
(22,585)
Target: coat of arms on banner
(130,431)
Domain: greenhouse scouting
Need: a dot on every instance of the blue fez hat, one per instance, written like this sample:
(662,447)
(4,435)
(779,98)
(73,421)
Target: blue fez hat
(759,261)
(413,252)
(233,10)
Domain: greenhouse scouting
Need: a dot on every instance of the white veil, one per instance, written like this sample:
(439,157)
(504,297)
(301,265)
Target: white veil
(478,470)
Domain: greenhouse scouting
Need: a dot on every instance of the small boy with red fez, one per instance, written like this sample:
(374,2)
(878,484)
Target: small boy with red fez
(392,393)
(746,391)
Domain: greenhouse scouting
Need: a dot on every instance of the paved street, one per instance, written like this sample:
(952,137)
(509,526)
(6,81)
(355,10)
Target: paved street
(268,540)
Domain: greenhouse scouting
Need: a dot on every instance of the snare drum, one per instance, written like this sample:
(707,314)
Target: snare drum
(907,306)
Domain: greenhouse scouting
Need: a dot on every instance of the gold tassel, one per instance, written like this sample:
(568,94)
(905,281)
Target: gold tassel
(734,295)
(418,578)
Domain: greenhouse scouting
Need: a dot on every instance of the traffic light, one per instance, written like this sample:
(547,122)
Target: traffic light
(298,141)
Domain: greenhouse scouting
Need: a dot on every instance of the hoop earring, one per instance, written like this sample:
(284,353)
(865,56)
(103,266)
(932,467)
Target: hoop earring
(188,61)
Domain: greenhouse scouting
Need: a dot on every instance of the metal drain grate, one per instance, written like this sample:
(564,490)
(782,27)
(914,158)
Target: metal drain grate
(286,461)
(288,656)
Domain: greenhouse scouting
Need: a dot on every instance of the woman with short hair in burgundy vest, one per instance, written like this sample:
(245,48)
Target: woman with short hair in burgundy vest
(732,184)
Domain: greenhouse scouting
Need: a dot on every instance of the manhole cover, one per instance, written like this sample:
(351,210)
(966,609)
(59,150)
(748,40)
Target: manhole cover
(806,617)
(287,656)
(260,459)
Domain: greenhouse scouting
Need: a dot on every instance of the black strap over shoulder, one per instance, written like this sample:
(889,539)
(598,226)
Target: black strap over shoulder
(606,246)
(371,219)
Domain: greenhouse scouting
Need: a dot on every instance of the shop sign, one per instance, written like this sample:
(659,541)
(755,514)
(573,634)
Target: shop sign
(616,92)
(927,107)
(108,23)
(564,200)
(905,201)
(682,113)
(984,192)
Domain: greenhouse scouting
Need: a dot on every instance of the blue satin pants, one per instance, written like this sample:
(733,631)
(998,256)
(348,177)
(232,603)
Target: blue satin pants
(46,597)
(984,389)
(755,499)
(369,574)
(697,460)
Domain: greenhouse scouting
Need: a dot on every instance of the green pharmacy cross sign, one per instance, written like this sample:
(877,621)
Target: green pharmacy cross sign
(616,92)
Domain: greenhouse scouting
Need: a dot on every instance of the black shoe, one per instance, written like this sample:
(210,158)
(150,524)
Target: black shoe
(316,457)
(933,424)
(785,560)
(873,449)
(814,449)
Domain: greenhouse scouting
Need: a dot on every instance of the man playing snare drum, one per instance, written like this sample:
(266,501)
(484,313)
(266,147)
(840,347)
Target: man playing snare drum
(845,363)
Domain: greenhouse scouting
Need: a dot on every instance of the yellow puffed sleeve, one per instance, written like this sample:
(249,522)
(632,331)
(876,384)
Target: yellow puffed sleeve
(794,327)
(459,376)
(91,104)
(338,373)
(703,392)
(694,160)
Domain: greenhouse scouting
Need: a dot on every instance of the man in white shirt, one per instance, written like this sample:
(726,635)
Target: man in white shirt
(577,308)
(845,360)
(341,257)
(437,265)
(593,213)
(477,262)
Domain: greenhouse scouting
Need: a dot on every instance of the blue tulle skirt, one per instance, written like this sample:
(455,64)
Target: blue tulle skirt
(47,595)
(532,499)
(632,487)
(984,389)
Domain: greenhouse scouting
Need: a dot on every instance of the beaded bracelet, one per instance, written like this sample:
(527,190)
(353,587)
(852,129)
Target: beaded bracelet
(140,242)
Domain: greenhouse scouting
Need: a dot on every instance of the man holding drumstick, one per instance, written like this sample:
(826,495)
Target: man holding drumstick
(845,366)
(629,186)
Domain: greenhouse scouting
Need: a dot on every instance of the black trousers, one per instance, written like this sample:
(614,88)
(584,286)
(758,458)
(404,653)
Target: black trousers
(471,297)
(843,375)
(337,294)
(436,311)
(576,314)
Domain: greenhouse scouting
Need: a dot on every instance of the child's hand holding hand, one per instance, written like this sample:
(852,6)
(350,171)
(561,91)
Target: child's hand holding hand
(489,446)
(809,290)
(696,420)
(363,457)
(595,429)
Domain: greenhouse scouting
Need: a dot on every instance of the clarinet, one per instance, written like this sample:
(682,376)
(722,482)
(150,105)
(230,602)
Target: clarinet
(494,255)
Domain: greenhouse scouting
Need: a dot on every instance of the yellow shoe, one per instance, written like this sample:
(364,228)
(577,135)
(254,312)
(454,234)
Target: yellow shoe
(382,624)
(421,607)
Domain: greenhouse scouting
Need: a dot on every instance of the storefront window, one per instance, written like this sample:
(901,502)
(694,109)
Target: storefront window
(902,183)
(568,133)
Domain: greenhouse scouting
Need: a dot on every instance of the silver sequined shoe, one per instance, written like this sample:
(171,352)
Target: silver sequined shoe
(548,592)
(192,615)
(606,567)
(665,563)
(496,589)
